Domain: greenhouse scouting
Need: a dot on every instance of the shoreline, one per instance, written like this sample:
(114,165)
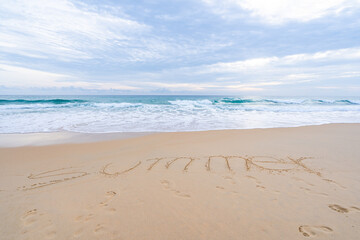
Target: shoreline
(67,137)
(64,137)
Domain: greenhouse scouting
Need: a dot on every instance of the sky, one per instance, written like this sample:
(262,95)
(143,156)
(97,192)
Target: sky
(234,47)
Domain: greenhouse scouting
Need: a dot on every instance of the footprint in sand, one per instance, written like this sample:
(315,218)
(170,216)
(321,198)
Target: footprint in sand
(109,195)
(258,183)
(227,191)
(168,186)
(37,224)
(309,191)
(260,187)
(29,217)
(312,231)
(338,208)
(303,181)
(99,228)
(165,183)
(95,209)
(78,233)
(230,179)
(84,218)
(341,209)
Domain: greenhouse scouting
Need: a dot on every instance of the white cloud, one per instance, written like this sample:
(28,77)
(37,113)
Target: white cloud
(295,60)
(250,75)
(72,31)
(181,86)
(238,65)
(260,74)
(14,76)
(62,29)
(281,11)
(19,77)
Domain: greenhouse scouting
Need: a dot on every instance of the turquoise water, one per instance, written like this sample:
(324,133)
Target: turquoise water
(24,114)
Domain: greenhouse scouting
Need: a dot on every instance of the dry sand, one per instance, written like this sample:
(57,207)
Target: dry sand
(288,183)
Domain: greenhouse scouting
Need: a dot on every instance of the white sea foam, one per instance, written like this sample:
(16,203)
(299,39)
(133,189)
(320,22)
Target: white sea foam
(149,114)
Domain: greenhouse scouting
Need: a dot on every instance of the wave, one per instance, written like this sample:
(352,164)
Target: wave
(283,102)
(117,105)
(22,114)
(346,102)
(47,101)
(245,101)
(238,101)
(200,102)
(225,101)
(328,102)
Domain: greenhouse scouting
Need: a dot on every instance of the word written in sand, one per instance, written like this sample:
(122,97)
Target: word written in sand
(262,163)
(249,163)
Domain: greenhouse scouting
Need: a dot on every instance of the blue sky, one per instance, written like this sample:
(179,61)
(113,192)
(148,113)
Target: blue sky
(237,47)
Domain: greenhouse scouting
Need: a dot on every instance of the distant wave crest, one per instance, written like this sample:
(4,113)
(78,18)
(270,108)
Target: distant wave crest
(283,102)
(244,101)
(202,102)
(44,101)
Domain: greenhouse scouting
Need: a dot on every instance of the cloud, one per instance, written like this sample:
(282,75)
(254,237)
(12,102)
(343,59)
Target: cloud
(67,31)
(93,46)
(12,76)
(259,74)
(281,11)
(325,68)
(237,66)
(324,58)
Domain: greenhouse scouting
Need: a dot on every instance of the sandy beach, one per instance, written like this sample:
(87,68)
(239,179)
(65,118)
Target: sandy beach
(281,183)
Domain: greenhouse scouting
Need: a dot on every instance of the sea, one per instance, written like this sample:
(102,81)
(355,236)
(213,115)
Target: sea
(108,114)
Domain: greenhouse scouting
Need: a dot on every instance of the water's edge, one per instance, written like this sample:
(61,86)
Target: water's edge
(114,114)
(54,138)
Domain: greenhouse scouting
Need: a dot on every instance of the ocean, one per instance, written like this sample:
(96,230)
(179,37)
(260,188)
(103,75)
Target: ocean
(105,114)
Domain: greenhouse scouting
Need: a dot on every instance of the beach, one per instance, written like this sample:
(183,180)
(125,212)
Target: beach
(180,120)
(274,183)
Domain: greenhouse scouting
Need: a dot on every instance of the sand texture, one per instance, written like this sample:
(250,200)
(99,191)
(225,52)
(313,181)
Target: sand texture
(288,183)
